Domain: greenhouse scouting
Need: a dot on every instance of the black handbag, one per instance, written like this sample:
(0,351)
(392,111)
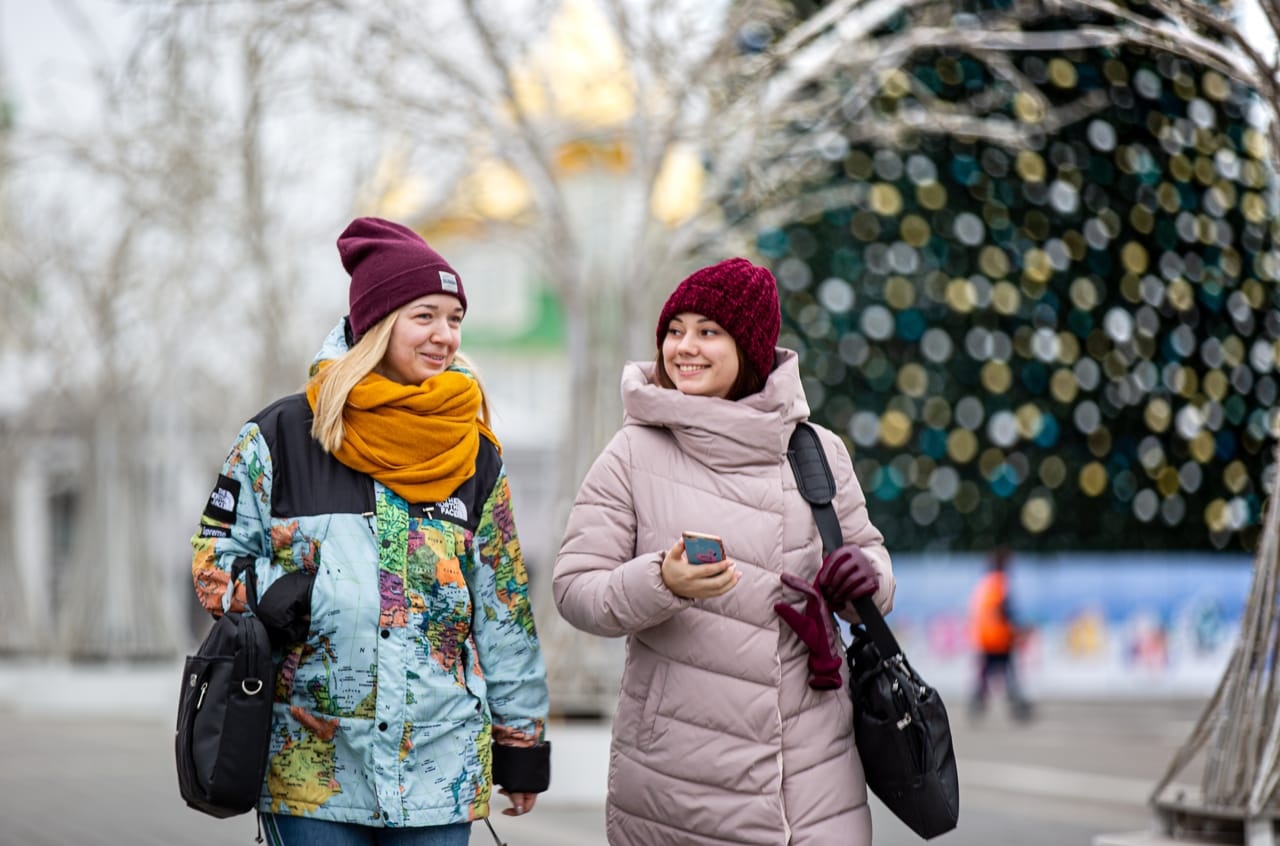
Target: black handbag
(899,722)
(224,711)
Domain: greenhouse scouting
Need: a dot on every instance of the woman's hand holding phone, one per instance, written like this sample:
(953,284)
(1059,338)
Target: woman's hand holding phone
(696,581)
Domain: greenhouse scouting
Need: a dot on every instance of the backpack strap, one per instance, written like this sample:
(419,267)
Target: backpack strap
(816,484)
(818,487)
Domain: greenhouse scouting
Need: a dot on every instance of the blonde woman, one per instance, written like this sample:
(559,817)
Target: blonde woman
(410,675)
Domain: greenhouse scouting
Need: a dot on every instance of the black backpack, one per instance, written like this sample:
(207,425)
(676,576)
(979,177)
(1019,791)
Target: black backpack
(224,711)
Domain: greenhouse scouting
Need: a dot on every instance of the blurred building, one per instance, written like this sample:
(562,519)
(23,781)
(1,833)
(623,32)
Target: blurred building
(577,83)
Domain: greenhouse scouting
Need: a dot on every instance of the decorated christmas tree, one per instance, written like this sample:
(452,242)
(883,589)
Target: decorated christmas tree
(1071,345)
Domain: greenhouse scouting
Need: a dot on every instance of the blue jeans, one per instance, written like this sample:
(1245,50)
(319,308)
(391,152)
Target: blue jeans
(286,830)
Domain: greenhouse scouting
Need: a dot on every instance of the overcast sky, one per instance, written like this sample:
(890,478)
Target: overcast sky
(42,49)
(43,54)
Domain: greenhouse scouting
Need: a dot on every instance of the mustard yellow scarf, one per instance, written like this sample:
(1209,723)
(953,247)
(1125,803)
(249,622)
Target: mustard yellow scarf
(421,441)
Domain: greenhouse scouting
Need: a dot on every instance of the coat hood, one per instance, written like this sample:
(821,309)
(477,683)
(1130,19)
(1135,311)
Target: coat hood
(720,432)
(334,345)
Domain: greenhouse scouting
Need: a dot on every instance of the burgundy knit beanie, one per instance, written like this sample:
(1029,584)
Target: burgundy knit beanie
(390,265)
(741,297)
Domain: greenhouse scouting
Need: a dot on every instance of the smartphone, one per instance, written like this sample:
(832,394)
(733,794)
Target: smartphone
(703,549)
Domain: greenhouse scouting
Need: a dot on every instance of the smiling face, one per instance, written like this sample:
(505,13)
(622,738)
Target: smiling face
(699,356)
(424,339)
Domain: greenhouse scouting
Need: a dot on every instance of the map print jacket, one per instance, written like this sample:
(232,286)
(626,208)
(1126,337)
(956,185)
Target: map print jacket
(420,681)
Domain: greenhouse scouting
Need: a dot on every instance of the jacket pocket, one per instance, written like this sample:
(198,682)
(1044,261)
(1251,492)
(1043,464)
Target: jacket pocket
(649,716)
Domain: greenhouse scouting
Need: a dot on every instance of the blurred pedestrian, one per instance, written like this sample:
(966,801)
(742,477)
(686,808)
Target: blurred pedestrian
(996,635)
(732,725)
(410,676)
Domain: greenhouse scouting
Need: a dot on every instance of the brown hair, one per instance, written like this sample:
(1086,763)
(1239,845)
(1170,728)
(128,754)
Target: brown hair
(747,383)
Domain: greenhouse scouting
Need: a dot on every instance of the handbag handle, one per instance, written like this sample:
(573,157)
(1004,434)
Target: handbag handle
(817,486)
(244,564)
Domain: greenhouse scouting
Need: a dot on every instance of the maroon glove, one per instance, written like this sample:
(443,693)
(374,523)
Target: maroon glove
(846,574)
(814,627)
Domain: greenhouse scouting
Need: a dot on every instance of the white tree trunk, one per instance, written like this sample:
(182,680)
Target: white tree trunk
(18,615)
(114,601)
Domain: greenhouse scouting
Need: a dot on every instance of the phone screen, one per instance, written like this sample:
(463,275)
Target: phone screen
(703,549)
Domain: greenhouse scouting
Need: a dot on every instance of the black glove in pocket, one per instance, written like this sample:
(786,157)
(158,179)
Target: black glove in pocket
(285,609)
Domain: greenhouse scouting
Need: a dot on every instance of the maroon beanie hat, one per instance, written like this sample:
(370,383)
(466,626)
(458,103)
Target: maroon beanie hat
(741,297)
(390,265)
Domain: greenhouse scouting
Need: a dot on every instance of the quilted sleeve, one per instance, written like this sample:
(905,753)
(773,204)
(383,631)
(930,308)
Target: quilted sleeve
(235,524)
(603,585)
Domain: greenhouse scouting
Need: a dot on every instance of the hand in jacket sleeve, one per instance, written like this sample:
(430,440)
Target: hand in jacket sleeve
(813,625)
(846,574)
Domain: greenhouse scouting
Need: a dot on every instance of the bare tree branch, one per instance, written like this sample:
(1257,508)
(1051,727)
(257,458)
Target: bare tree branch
(541,161)
(1205,35)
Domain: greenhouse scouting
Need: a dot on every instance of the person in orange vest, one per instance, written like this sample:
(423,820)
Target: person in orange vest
(996,637)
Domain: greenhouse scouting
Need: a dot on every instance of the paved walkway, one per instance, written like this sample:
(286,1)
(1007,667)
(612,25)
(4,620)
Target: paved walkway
(96,776)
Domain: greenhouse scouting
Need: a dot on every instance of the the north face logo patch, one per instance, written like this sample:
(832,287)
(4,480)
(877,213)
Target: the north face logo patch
(454,507)
(222,502)
(223,499)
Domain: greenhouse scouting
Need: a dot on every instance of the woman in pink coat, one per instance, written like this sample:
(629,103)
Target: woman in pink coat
(729,728)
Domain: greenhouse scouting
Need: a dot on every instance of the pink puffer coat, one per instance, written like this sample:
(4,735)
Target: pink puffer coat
(718,737)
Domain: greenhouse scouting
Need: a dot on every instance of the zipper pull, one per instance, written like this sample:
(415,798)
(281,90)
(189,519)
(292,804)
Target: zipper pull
(199,701)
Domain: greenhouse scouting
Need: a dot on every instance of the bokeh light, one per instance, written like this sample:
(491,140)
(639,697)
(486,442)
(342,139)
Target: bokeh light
(1074,345)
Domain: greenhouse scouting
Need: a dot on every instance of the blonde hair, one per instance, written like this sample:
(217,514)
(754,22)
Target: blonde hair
(338,379)
(463,363)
